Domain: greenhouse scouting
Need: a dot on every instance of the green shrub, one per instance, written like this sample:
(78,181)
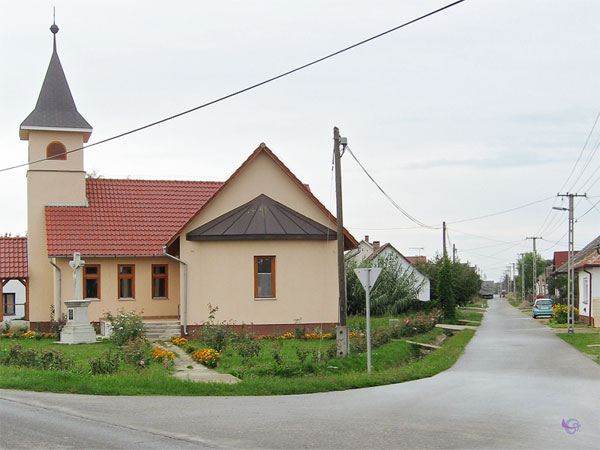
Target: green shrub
(106,363)
(248,347)
(560,313)
(125,326)
(214,334)
(45,359)
(136,350)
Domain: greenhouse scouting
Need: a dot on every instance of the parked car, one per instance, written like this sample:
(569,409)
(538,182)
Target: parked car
(542,307)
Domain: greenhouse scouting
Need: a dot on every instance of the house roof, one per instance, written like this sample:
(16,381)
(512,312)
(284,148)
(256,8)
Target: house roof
(125,217)
(349,240)
(261,218)
(587,256)
(13,257)
(414,259)
(55,108)
(390,246)
(561,258)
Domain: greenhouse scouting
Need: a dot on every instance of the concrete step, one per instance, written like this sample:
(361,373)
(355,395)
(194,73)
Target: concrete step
(162,330)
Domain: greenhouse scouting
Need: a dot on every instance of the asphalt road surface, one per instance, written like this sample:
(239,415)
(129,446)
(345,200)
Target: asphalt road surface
(512,388)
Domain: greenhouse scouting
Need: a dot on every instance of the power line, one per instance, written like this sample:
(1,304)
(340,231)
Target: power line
(246,89)
(396,205)
(581,152)
(502,212)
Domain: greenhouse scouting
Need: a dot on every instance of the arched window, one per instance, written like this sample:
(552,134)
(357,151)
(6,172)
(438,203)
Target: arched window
(56,150)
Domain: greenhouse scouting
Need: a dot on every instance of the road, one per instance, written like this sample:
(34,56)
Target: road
(512,388)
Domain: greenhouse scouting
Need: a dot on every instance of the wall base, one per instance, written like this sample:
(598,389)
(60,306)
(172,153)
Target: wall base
(269,329)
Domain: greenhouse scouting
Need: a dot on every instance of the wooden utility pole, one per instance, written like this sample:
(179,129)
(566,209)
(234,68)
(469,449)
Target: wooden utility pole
(342,329)
(444,239)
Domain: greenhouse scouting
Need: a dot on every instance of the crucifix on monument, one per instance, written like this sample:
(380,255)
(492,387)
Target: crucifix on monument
(78,329)
(76,264)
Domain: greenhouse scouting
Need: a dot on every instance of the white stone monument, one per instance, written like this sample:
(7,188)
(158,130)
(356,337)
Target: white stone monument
(78,329)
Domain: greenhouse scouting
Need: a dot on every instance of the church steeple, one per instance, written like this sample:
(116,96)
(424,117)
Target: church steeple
(55,109)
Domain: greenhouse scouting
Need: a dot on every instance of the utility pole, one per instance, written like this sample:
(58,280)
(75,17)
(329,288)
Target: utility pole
(342,329)
(453,253)
(534,291)
(444,239)
(522,273)
(514,272)
(571,269)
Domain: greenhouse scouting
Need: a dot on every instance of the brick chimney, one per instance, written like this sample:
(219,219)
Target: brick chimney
(376,245)
(366,238)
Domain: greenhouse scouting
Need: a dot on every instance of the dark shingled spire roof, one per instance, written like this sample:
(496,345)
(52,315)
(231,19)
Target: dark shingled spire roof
(55,108)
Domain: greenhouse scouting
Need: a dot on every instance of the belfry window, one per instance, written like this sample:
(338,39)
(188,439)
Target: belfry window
(56,150)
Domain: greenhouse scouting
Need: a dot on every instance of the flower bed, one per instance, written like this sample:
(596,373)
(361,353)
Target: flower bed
(161,355)
(179,341)
(207,357)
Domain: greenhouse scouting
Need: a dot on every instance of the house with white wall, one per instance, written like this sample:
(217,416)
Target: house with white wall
(370,251)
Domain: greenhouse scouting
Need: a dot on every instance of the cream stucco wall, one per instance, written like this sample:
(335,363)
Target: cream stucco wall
(48,183)
(585,302)
(222,272)
(143,303)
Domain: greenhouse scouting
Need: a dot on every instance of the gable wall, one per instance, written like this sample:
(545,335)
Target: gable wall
(222,272)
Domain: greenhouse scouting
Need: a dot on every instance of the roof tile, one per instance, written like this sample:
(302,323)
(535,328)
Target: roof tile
(13,257)
(125,217)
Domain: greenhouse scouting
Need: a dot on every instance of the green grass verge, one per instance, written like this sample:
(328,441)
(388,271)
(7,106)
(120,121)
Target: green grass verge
(581,342)
(393,363)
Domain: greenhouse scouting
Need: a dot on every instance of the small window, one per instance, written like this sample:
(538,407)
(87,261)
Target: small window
(8,304)
(126,281)
(56,150)
(160,281)
(264,277)
(91,281)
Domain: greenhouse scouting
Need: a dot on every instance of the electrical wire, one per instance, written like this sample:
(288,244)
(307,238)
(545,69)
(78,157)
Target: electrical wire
(501,212)
(396,205)
(246,89)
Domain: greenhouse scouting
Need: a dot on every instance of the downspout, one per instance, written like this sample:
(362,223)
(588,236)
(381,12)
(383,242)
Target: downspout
(589,298)
(184,315)
(58,292)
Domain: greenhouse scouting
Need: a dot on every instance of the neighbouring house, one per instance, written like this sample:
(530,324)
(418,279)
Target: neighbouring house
(13,277)
(367,251)
(260,246)
(586,264)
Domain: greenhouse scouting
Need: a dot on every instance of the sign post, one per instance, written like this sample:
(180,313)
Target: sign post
(368,277)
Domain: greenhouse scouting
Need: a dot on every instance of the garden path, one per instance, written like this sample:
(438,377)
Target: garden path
(188,369)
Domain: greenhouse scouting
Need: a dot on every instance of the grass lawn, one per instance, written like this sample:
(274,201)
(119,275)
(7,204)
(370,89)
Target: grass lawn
(581,342)
(299,370)
(474,317)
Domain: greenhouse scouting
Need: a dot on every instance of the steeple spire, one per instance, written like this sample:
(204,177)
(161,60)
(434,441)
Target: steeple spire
(55,108)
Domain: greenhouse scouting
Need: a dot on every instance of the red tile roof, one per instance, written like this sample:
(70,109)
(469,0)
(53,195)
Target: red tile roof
(414,259)
(13,257)
(125,217)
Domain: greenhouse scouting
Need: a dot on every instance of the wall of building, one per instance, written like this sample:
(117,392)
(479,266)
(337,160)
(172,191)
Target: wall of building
(143,303)
(422,280)
(50,182)
(588,306)
(16,287)
(222,272)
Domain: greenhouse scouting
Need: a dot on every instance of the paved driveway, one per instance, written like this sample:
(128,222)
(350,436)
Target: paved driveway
(512,388)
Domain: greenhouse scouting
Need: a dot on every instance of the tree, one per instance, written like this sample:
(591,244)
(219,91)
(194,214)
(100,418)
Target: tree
(540,266)
(466,281)
(396,291)
(445,291)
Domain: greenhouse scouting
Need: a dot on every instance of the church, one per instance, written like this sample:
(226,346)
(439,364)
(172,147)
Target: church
(259,246)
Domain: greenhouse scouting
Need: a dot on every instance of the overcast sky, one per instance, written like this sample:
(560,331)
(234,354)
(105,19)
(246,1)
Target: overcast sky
(479,109)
